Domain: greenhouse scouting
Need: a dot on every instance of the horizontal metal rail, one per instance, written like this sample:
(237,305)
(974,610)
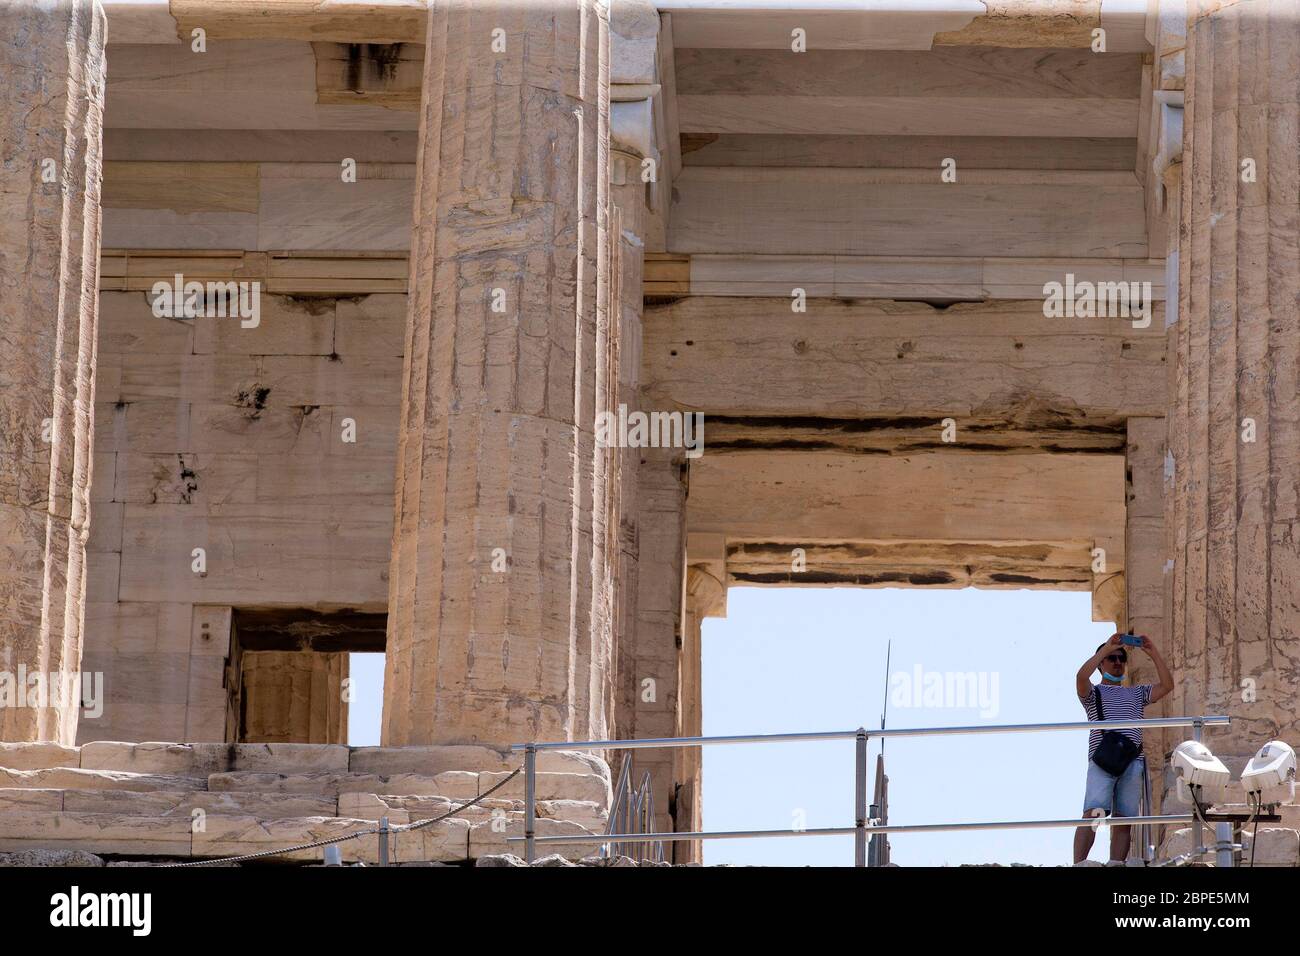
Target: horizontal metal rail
(649,743)
(862,829)
(849,831)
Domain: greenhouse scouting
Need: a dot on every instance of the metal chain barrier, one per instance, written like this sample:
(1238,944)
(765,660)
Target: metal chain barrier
(401,828)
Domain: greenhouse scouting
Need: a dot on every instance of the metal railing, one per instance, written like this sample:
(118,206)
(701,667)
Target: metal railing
(863,827)
(632,811)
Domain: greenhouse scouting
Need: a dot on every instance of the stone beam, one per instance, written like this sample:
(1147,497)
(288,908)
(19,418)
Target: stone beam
(860,359)
(853,24)
(1051,565)
(941,520)
(346,21)
(51,110)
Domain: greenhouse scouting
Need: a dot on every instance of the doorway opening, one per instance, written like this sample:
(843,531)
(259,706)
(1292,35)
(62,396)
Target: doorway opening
(814,659)
(289,676)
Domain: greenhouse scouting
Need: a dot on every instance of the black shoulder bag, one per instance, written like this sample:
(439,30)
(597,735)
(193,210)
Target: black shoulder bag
(1116,751)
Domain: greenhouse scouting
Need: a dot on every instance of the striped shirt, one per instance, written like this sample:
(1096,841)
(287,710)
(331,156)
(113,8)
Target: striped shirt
(1119,703)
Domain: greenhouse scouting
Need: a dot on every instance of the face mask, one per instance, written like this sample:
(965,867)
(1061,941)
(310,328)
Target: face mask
(1111,679)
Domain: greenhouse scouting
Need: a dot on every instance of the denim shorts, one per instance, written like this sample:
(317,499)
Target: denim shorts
(1118,796)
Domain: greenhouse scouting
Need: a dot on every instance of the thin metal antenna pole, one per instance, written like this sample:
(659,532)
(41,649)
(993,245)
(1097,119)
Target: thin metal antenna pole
(860,801)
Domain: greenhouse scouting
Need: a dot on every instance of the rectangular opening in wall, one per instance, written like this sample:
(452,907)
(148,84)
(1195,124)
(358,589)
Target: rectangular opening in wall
(810,659)
(289,674)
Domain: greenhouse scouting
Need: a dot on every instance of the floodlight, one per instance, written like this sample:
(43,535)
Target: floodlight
(1270,775)
(1196,767)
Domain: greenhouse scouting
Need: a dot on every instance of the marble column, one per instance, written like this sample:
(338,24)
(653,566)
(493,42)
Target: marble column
(500,591)
(1235,418)
(51,117)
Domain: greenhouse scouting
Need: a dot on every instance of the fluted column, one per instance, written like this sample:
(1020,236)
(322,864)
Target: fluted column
(1235,420)
(51,111)
(500,597)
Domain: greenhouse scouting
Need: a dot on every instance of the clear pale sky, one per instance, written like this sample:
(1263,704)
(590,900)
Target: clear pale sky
(813,659)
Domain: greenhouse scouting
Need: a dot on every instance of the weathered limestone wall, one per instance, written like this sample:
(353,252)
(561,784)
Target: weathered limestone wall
(51,108)
(1236,588)
(497,456)
(234,440)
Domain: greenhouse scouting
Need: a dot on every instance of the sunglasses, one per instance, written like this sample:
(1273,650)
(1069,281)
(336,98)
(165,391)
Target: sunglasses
(1117,659)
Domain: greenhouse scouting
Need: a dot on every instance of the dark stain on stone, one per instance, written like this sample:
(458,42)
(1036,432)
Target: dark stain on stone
(189,483)
(693,141)
(913,578)
(751,444)
(1004,578)
(846,425)
(312,304)
(253,399)
(372,61)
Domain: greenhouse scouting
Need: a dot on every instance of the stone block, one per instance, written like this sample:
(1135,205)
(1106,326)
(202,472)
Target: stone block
(98,833)
(37,756)
(28,799)
(553,786)
(490,837)
(62,778)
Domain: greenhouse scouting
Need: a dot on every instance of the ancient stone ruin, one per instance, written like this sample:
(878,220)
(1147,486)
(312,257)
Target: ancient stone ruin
(504,337)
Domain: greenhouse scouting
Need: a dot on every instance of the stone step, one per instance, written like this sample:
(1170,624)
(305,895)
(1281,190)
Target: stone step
(268,806)
(203,759)
(445,842)
(554,786)
(99,833)
(431,761)
(409,809)
(67,778)
(452,784)
(214,835)
(38,756)
(490,837)
(30,798)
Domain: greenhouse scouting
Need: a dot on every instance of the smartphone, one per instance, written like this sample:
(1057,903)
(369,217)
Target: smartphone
(1132,640)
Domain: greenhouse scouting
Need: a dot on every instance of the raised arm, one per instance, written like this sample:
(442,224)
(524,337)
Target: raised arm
(1166,681)
(1082,684)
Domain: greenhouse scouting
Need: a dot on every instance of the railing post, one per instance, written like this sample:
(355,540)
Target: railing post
(860,801)
(1223,841)
(530,803)
(1198,835)
(383,841)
